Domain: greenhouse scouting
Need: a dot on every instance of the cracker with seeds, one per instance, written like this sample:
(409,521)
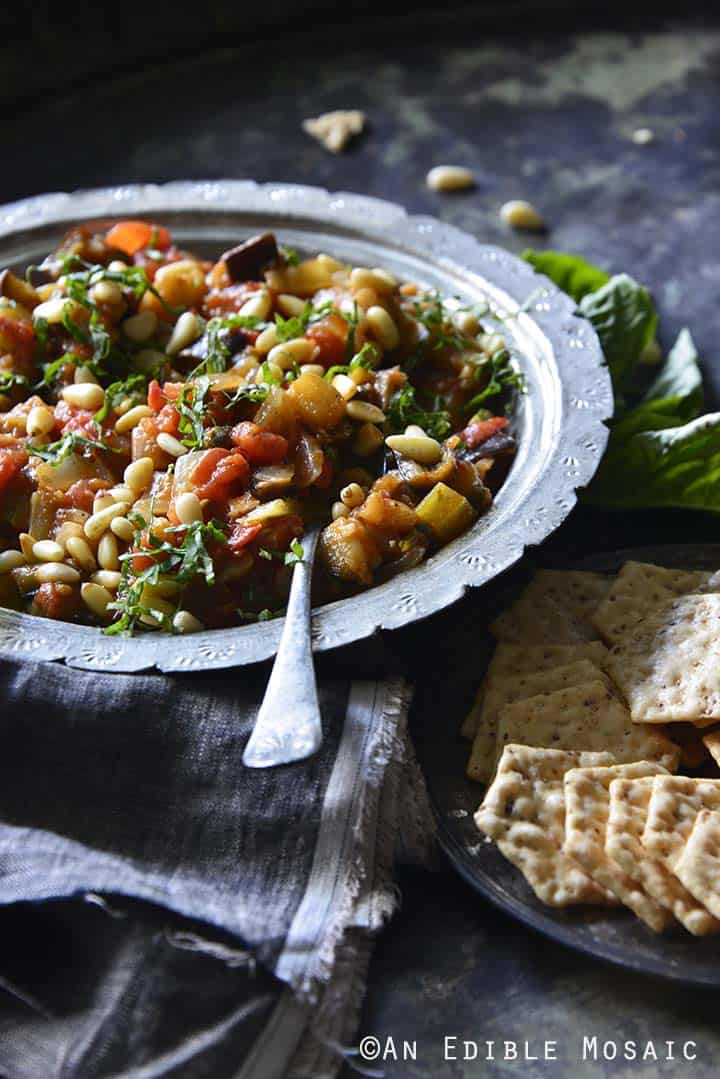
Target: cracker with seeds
(587,806)
(503,690)
(675,802)
(555,607)
(629,800)
(711,742)
(588,717)
(698,867)
(524,812)
(668,665)
(637,589)
(510,660)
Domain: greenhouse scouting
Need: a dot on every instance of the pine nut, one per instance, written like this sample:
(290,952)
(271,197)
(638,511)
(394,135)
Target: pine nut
(83,375)
(102,501)
(132,418)
(123,529)
(96,598)
(84,395)
(450,178)
(492,343)
(56,573)
(312,369)
(380,280)
(107,578)
(290,306)
(27,543)
(186,330)
(467,323)
(66,531)
(364,412)
(188,508)
(299,350)
(383,327)
(117,266)
(100,522)
(107,292)
(107,554)
(11,560)
(81,551)
(414,431)
(185,622)
(345,386)
(53,310)
(339,509)
(258,306)
(138,474)
(140,327)
(40,421)
(519,214)
(48,551)
(352,495)
(121,493)
(170,444)
(368,439)
(266,340)
(425,450)
(269,372)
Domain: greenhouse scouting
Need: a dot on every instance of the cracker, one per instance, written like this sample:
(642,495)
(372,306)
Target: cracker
(675,802)
(668,666)
(513,659)
(524,812)
(637,589)
(629,800)
(699,864)
(587,806)
(502,690)
(711,742)
(556,607)
(586,717)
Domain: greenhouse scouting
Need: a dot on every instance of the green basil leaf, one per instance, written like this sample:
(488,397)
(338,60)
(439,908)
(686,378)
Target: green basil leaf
(569,272)
(625,320)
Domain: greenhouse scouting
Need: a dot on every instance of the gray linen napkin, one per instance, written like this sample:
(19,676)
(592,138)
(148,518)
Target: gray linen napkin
(130,791)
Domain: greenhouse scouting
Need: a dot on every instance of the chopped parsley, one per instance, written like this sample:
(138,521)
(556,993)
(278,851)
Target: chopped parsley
(366,357)
(501,375)
(134,387)
(193,408)
(217,350)
(185,562)
(404,410)
(430,312)
(289,328)
(288,558)
(290,256)
(55,452)
(255,393)
(9,379)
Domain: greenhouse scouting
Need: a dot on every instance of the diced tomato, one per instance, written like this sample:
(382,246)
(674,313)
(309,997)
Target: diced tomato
(80,495)
(53,600)
(242,534)
(206,465)
(173,390)
(168,419)
(258,446)
(12,460)
(228,301)
(133,236)
(476,433)
(17,339)
(330,335)
(155,397)
(230,474)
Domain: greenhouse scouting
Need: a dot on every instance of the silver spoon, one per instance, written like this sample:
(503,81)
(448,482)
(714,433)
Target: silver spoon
(288,726)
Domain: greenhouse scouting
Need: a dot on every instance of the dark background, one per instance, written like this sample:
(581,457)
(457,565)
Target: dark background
(541,101)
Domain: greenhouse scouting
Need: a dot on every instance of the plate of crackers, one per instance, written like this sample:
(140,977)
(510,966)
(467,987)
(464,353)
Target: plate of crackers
(582,791)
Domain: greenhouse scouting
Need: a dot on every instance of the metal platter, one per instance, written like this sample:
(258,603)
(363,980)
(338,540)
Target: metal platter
(559,422)
(614,935)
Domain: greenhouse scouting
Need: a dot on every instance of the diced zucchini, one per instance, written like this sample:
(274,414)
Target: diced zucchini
(445,512)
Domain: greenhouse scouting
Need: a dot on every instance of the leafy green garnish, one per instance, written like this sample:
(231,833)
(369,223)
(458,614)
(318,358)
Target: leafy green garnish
(185,562)
(288,558)
(193,408)
(430,311)
(500,374)
(625,320)
(10,379)
(290,256)
(366,357)
(134,387)
(289,328)
(217,351)
(255,393)
(404,410)
(569,272)
(55,452)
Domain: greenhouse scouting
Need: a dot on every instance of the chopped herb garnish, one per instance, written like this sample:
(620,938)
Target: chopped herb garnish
(193,408)
(290,256)
(366,358)
(9,379)
(134,387)
(55,452)
(289,328)
(501,375)
(254,393)
(404,410)
(288,558)
(431,313)
(217,351)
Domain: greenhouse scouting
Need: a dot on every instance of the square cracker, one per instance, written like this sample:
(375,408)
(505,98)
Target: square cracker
(513,659)
(556,607)
(505,689)
(698,866)
(524,812)
(587,806)
(668,665)
(675,802)
(637,589)
(586,717)
(629,800)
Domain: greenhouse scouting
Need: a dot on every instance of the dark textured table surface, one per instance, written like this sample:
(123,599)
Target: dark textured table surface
(546,115)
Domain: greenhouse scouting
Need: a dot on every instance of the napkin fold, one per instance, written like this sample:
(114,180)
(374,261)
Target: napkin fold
(128,821)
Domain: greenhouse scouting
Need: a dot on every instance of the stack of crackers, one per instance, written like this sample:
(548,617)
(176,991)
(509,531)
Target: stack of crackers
(599,690)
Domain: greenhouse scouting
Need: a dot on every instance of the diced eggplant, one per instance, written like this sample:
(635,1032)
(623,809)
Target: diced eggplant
(500,444)
(247,261)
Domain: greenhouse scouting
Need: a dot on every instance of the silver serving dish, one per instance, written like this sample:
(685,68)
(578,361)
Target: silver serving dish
(559,422)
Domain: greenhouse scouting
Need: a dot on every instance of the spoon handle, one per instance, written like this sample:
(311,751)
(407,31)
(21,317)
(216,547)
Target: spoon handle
(288,726)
